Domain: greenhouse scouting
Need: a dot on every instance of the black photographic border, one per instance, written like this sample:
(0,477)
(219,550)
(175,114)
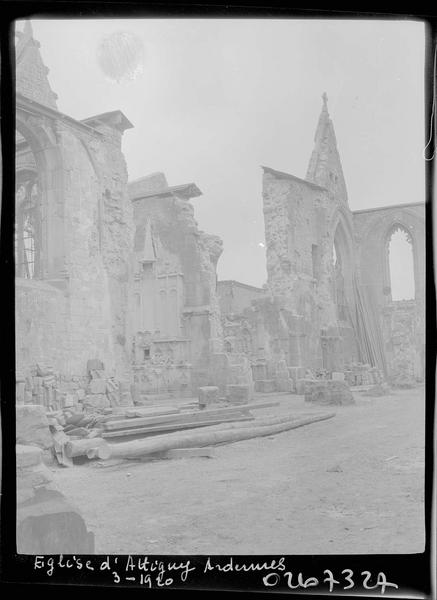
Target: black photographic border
(414,573)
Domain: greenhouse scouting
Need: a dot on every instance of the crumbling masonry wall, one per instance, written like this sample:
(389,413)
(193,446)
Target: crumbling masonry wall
(301,222)
(75,307)
(175,273)
(401,323)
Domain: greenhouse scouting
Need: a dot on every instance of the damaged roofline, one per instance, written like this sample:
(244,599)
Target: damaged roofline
(239,283)
(188,190)
(34,107)
(283,175)
(113,118)
(391,207)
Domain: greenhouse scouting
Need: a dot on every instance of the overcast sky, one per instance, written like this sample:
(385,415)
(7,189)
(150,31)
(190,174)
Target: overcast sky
(218,98)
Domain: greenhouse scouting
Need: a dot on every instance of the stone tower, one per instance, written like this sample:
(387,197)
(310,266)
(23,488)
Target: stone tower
(325,168)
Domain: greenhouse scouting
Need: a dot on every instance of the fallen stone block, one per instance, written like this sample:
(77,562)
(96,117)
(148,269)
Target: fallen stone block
(97,386)
(340,393)
(304,385)
(73,418)
(238,393)
(208,395)
(27,456)
(265,386)
(329,393)
(32,426)
(316,391)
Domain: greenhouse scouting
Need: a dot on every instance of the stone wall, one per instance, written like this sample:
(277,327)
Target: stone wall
(301,223)
(175,288)
(77,305)
(88,317)
(115,214)
(401,323)
(235,296)
(40,325)
(328,271)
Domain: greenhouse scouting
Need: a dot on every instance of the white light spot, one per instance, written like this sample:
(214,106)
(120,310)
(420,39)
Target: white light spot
(120,56)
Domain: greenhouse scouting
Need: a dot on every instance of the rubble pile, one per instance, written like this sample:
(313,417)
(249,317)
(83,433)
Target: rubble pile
(46,522)
(362,374)
(328,392)
(98,390)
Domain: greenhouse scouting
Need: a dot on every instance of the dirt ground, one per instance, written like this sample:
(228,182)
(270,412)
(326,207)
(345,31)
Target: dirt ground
(351,484)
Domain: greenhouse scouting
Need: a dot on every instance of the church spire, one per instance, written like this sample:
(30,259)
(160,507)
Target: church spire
(325,101)
(324,167)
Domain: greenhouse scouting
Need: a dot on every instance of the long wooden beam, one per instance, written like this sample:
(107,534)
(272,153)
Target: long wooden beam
(187,417)
(171,427)
(143,447)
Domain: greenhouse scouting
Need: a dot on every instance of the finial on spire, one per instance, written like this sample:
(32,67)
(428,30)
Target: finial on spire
(325,100)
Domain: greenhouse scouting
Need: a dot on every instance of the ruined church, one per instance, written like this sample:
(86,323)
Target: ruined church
(116,282)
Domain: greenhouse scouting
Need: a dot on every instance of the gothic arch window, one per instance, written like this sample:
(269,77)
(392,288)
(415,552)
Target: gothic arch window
(400,258)
(340,268)
(27,226)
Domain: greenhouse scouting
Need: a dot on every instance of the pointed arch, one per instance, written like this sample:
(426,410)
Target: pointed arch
(37,136)
(342,263)
(399,263)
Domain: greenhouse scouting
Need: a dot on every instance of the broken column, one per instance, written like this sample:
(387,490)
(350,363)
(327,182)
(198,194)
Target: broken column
(208,395)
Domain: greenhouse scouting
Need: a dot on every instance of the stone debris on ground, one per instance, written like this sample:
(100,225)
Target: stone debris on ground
(329,392)
(208,395)
(381,389)
(46,522)
(78,431)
